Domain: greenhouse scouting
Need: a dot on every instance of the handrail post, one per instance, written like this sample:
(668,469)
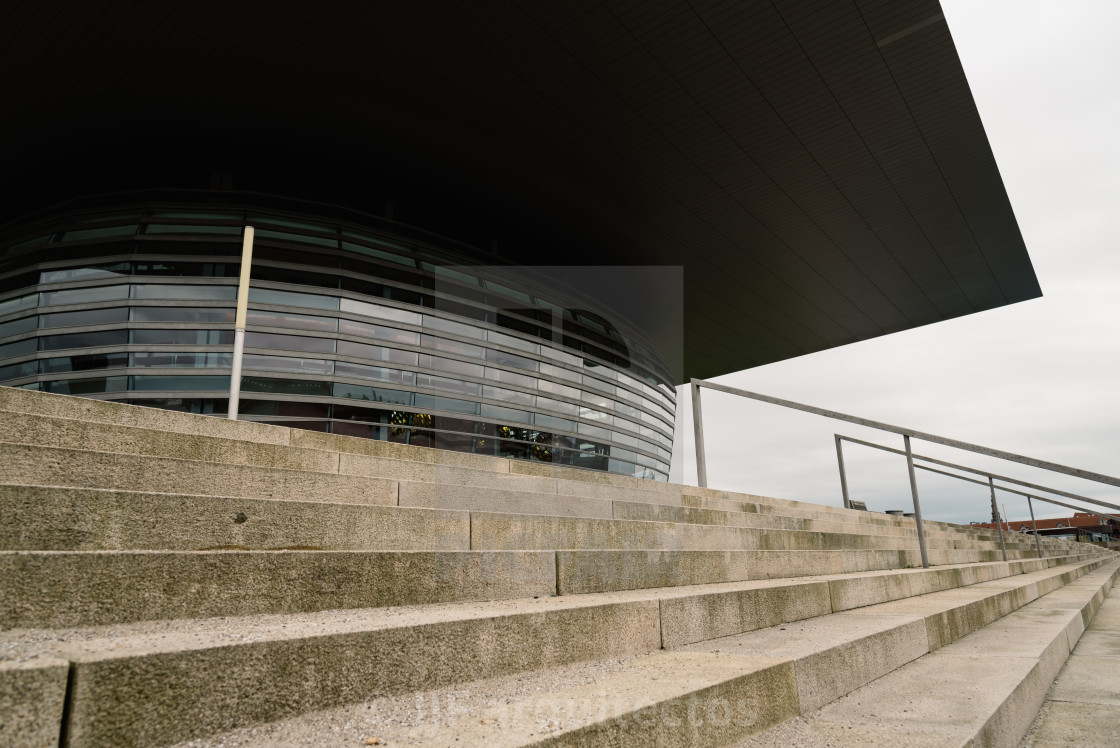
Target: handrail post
(843,475)
(1037,542)
(698,431)
(917,507)
(995,513)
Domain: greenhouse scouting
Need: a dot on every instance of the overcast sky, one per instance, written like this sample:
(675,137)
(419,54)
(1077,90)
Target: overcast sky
(1040,378)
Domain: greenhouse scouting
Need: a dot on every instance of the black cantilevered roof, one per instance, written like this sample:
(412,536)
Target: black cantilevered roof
(819,168)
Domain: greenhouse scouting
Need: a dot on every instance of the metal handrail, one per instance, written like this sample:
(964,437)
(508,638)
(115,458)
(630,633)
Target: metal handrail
(991,485)
(906,433)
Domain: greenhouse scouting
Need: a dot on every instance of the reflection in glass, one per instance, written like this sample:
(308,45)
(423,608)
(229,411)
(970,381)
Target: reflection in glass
(259,318)
(85,317)
(362,371)
(83,339)
(181,314)
(182,360)
(288,342)
(82,295)
(183,337)
(16,326)
(307,387)
(15,371)
(111,270)
(195,292)
(88,386)
(88,362)
(152,383)
(286,363)
(376,352)
(292,298)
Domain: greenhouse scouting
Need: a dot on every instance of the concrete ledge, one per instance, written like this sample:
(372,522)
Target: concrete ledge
(212,687)
(103,411)
(44,431)
(699,617)
(489,498)
(31,699)
(60,589)
(72,519)
(50,466)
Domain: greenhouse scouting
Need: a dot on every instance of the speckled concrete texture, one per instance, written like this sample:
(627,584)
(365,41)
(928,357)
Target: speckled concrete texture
(59,519)
(58,588)
(31,699)
(51,466)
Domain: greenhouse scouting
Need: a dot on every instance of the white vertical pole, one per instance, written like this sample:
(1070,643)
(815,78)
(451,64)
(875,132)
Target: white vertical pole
(239,323)
(698,431)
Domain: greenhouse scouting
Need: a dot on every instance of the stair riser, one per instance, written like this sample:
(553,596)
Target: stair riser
(23,465)
(56,519)
(113,702)
(74,589)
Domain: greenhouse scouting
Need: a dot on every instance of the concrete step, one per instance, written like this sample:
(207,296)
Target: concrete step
(985,688)
(157,682)
(62,421)
(83,588)
(699,696)
(58,518)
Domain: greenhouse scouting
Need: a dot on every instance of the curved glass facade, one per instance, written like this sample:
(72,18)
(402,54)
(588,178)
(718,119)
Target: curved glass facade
(353,329)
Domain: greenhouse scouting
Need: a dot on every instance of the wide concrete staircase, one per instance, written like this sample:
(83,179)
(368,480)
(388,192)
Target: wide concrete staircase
(168,577)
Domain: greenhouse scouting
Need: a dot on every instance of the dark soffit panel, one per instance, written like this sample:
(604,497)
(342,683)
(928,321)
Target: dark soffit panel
(818,167)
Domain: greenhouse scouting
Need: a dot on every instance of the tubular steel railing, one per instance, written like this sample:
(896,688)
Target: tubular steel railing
(992,486)
(907,434)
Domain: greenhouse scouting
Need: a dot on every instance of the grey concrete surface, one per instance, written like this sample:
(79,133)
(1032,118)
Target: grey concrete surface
(61,589)
(51,466)
(670,699)
(31,700)
(44,431)
(70,519)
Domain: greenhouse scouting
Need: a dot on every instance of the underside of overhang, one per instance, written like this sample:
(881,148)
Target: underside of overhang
(819,169)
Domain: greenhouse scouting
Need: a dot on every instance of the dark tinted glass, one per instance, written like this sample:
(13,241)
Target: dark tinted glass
(258,318)
(380,373)
(288,275)
(13,282)
(186,405)
(288,386)
(85,363)
(87,386)
(373,394)
(182,337)
(151,383)
(84,339)
(182,268)
(183,314)
(182,360)
(283,408)
(83,295)
(15,371)
(16,326)
(288,342)
(286,363)
(18,348)
(85,317)
(291,298)
(193,292)
(111,270)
